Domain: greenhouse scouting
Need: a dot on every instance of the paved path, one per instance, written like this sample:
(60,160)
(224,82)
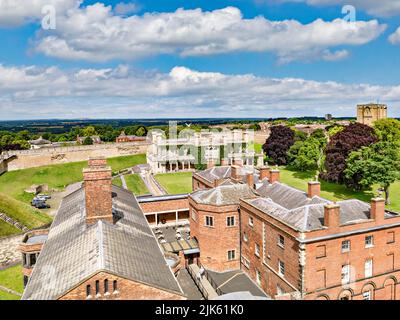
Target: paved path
(124,185)
(202,282)
(189,286)
(152,185)
(9,252)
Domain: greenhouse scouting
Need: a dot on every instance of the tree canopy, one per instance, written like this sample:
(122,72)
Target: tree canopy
(278,144)
(387,129)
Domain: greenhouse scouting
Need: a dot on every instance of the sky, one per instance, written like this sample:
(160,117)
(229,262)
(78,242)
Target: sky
(197,58)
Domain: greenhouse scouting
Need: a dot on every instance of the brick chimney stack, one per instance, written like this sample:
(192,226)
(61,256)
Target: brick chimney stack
(378,209)
(235,173)
(264,172)
(314,189)
(332,215)
(97,185)
(224,162)
(210,163)
(250,179)
(274,176)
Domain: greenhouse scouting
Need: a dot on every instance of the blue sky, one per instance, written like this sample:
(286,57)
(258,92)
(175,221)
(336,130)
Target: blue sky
(241,58)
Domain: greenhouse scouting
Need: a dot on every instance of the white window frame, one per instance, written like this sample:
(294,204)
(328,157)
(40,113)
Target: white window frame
(345,248)
(245,237)
(257,249)
(207,220)
(371,244)
(229,220)
(367,295)
(258,277)
(251,221)
(230,256)
(246,262)
(368,268)
(345,273)
(281,268)
(281,241)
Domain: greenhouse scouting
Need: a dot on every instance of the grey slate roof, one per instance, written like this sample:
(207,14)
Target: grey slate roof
(224,172)
(74,251)
(224,195)
(310,216)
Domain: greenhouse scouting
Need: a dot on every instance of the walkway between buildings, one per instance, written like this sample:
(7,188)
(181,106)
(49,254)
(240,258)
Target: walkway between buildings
(152,185)
(202,283)
(124,185)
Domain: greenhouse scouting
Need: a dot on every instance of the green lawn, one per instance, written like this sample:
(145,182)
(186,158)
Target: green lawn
(117,181)
(8,296)
(7,229)
(336,192)
(176,183)
(23,213)
(12,278)
(136,184)
(56,176)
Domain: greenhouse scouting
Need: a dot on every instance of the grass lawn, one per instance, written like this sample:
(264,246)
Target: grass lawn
(7,229)
(56,176)
(21,212)
(8,296)
(117,182)
(176,183)
(136,184)
(12,278)
(336,192)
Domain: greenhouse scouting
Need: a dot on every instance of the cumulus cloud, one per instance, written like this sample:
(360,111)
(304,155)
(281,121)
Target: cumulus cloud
(17,12)
(33,92)
(95,33)
(379,8)
(126,8)
(394,38)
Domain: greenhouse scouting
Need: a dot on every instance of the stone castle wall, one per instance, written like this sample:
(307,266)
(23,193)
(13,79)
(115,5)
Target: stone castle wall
(58,155)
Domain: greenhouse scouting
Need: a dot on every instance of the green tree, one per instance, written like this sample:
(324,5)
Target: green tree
(307,155)
(387,130)
(140,132)
(88,141)
(89,131)
(377,163)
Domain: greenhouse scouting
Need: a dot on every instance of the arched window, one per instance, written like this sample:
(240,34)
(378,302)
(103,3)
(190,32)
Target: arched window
(106,286)
(97,287)
(88,290)
(115,285)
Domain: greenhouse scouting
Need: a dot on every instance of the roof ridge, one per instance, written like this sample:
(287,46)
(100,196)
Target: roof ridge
(100,240)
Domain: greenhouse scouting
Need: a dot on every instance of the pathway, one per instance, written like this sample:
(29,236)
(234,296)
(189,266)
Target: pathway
(152,185)
(124,185)
(9,252)
(202,283)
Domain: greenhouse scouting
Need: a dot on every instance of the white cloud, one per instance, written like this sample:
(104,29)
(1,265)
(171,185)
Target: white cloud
(18,12)
(126,8)
(379,8)
(95,33)
(394,38)
(33,92)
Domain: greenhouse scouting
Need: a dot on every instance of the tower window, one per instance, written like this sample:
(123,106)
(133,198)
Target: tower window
(115,286)
(106,286)
(97,287)
(88,290)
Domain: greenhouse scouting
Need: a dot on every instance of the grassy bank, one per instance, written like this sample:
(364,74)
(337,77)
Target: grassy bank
(11,278)
(136,184)
(176,183)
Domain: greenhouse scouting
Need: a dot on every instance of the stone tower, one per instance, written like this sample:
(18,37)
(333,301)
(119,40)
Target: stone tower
(368,113)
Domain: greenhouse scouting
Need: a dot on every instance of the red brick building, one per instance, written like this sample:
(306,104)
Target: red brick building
(99,247)
(128,138)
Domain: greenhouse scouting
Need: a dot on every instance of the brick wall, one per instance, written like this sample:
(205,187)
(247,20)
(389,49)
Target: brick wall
(166,205)
(126,290)
(216,241)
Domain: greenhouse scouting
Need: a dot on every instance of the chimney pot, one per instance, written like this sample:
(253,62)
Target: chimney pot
(274,176)
(250,179)
(235,173)
(264,172)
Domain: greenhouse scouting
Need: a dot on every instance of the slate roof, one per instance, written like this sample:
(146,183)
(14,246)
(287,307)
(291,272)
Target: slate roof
(74,251)
(224,195)
(310,216)
(224,172)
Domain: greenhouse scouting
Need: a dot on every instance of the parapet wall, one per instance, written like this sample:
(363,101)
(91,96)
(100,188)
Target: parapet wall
(57,155)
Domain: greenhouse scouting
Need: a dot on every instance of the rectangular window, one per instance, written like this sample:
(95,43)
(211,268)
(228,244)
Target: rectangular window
(115,286)
(368,268)
(281,268)
(230,221)
(245,238)
(369,241)
(391,260)
(246,262)
(320,279)
(279,291)
(106,286)
(258,277)
(88,290)
(209,221)
(257,250)
(231,255)
(321,251)
(391,237)
(251,221)
(97,287)
(345,246)
(281,241)
(346,273)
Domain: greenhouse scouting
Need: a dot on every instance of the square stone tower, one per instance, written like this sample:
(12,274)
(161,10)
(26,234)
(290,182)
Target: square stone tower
(368,113)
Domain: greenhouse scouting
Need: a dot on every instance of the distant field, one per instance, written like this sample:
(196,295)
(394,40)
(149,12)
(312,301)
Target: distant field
(336,192)
(11,278)
(176,183)
(136,184)
(56,176)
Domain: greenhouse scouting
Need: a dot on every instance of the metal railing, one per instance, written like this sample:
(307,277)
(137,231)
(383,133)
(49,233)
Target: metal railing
(210,279)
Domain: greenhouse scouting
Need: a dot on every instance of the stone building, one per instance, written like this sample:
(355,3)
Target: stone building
(184,152)
(100,247)
(368,113)
(128,138)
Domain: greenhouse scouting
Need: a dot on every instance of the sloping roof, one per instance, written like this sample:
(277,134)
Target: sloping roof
(287,196)
(224,195)
(75,251)
(39,141)
(225,172)
(310,217)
